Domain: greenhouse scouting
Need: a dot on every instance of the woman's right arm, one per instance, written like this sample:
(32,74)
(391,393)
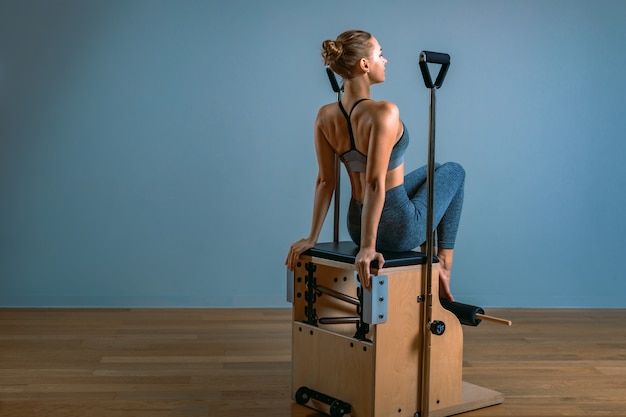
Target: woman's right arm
(383,135)
(324,189)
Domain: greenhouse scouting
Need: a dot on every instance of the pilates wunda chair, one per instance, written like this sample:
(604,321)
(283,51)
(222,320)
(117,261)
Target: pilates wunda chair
(394,350)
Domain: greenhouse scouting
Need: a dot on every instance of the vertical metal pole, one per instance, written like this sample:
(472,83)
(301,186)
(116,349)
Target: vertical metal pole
(337,199)
(427,281)
(337,196)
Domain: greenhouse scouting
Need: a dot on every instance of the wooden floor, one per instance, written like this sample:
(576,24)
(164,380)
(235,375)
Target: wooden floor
(236,362)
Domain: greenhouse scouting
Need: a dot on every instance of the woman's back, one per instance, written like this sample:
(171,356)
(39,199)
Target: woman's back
(365,119)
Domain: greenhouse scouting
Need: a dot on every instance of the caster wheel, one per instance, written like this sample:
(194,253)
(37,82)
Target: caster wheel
(302,395)
(336,409)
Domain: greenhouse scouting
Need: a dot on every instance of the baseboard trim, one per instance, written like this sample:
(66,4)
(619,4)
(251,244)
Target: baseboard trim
(143,302)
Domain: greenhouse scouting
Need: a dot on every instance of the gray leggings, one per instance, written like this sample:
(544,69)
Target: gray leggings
(402,224)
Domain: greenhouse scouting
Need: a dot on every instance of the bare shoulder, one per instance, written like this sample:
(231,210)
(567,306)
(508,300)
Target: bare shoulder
(384,113)
(386,108)
(327,110)
(324,121)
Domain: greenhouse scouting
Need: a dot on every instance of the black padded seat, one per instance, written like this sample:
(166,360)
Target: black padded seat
(346,252)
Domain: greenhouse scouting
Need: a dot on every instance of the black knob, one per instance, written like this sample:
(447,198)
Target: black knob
(437,327)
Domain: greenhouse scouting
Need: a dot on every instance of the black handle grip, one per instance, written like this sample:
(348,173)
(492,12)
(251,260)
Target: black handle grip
(427,57)
(435,57)
(333,80)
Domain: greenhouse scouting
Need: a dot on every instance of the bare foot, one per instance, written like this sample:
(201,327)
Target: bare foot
(445,266)
(444,284)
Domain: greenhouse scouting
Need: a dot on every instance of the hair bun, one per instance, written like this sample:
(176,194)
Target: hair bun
(342,55)
(331,51)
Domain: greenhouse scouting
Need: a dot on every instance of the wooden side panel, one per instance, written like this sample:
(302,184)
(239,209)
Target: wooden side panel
(398,344)
(398,347)
(334,365)
(446,356)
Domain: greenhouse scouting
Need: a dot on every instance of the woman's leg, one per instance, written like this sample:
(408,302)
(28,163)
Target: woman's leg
(451,184)
(448,204)
(415,180)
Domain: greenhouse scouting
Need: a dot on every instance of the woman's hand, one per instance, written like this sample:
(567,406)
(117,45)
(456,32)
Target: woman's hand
(296,249)
(363,260)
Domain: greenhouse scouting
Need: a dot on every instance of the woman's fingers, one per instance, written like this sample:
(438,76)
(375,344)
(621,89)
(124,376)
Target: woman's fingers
(295,250)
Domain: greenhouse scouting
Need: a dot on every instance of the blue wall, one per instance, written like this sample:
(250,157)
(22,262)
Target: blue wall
(159,153)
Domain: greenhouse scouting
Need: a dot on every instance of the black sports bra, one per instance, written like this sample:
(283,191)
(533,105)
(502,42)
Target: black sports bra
(355,161)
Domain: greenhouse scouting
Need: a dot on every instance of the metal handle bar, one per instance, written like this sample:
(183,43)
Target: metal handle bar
(427,57)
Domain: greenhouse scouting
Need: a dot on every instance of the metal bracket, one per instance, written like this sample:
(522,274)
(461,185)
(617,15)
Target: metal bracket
(375,305)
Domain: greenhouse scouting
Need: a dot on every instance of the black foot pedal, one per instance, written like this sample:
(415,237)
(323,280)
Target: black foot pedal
(337,407)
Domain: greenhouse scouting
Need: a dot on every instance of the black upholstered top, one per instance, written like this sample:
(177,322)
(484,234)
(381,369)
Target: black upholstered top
(347,251)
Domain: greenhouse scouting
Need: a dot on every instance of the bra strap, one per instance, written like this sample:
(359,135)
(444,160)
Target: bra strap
(347,116)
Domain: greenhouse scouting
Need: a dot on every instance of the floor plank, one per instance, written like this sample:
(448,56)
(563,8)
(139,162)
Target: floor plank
(237,362)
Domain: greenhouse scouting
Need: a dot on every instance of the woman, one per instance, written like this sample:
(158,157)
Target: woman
(387,209)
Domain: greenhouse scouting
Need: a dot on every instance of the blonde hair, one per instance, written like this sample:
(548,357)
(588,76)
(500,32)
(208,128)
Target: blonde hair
(343,54)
